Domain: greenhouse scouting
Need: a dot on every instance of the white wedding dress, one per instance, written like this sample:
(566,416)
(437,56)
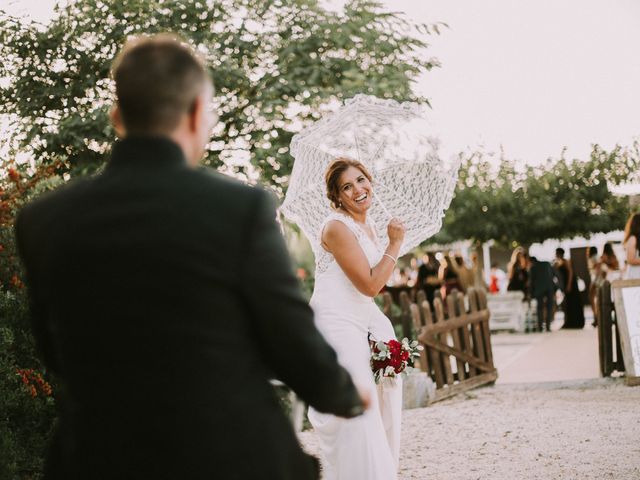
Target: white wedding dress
(366,447)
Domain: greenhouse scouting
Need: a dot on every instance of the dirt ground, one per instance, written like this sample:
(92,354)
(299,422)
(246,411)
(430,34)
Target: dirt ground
(579,429)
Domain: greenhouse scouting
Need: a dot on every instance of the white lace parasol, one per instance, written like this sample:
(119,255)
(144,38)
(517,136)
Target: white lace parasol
(392,140)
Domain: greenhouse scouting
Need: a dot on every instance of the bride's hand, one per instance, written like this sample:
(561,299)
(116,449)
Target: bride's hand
(395,230)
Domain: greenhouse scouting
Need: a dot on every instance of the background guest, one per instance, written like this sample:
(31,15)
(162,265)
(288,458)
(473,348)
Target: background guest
(542,287)
(428,278)
(464,273)
(592,259)
(609,262)
(572,303)
(404,276)
(631,243)
(412,272)
(476,270)
(517,272)
(448,276)
(497,279)
(593,264)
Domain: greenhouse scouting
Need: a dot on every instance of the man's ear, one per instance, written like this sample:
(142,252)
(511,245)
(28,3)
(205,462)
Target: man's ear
(116,121)
(195,114)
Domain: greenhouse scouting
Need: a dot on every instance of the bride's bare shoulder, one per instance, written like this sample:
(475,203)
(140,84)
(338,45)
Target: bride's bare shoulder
(334,228)
(336,231)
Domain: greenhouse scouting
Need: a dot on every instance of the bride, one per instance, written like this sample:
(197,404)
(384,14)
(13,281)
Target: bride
(352,268)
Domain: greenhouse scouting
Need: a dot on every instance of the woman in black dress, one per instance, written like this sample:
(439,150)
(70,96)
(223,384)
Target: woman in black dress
(448,277)
(572,303)
(517,271)
(428,276)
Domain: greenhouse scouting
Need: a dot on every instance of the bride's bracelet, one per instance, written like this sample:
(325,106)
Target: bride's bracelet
(395,260)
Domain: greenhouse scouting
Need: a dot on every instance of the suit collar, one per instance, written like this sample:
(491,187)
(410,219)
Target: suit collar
(148,151)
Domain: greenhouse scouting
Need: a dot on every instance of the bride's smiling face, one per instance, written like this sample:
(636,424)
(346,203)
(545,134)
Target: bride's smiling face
(355,190)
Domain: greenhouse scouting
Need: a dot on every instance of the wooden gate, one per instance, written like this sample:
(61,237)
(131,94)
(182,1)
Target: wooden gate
(457,354)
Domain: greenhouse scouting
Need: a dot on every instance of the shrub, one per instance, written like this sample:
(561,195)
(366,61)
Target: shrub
(27,405)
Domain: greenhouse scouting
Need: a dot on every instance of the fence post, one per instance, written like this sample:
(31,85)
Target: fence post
(605,337)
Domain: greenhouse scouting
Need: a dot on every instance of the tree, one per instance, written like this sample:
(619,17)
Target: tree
(560,199)
(276,64)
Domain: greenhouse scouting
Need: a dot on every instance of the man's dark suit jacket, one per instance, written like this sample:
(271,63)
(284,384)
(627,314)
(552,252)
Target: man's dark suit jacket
(163,297)
(541,279)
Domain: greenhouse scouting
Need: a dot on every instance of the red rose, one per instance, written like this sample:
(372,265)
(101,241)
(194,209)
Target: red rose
(394,345)
(379,364)
(13,174)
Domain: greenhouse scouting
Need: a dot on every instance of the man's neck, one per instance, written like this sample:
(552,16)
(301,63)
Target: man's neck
(185,145)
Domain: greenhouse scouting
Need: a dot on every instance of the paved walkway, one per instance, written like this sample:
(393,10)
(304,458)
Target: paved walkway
(545,357)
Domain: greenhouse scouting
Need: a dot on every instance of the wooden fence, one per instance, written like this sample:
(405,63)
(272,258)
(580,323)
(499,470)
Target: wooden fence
(610,352)
(456,337)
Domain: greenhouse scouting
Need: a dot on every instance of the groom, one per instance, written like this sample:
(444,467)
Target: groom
(163,298)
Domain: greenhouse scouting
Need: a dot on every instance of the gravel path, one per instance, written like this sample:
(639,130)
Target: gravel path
(558,430)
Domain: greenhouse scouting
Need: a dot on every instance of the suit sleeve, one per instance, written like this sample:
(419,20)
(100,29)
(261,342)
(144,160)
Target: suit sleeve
(292,346)
(37,307)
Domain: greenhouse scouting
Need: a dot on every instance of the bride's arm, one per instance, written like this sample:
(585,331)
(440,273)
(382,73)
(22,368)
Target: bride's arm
(343,245)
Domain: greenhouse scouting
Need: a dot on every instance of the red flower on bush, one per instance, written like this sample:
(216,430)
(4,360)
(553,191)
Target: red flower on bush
(13,174)
(34,383)
(16,282)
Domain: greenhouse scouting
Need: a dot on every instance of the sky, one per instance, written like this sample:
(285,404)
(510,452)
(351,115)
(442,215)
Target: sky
(527,77)
(533,77)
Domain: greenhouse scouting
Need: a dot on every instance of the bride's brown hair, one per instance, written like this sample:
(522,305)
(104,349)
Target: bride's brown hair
(332,177)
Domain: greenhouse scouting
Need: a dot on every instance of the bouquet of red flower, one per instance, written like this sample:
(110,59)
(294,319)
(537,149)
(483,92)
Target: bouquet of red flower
(389,359)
